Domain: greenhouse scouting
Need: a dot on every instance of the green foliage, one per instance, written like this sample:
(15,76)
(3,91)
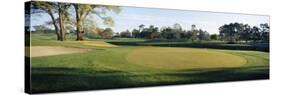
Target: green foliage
(106,33)
(175,32)
(214,37)
(64,22)
(234,32)
(126,34)
(135,33)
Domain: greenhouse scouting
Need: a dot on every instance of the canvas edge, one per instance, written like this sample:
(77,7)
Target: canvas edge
(27,69)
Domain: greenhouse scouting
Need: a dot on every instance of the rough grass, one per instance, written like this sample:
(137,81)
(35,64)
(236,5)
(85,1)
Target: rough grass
(183,58)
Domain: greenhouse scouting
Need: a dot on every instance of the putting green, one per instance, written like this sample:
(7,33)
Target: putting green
(183,58)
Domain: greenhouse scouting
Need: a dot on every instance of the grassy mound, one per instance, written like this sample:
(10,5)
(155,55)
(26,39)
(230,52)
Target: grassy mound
(183,58)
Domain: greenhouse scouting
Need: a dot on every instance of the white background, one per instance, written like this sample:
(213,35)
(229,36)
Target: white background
(12,48)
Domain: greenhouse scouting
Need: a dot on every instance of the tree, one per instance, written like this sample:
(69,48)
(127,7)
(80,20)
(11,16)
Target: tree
(167,33)
(245,33)
(203,35)
(149,33)
(177,29)
(89,27)
(141,27)
(51,9)
(265,32)
(97,31)
(193,33)
(63,17)
(117,34)
(255,34)
(42,29)
(152,32)
(126,34)
(154,35)
(234,32)
(230,32)
(214,37)
(193,27)
(135,33)
(82,11)
(145,33)
(176,32)
(106,33)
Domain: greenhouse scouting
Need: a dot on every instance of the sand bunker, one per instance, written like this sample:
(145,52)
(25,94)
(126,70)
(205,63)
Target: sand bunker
(98,44)
(37,51)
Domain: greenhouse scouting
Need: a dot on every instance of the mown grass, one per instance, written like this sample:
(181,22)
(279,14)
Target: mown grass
(183,58)
(108,67)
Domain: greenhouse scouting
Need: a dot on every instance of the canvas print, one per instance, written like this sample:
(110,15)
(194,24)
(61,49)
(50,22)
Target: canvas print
(75,47)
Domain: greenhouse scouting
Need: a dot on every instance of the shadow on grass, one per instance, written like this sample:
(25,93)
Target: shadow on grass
(211,45)
(226,74)
(66,79)
(45,80)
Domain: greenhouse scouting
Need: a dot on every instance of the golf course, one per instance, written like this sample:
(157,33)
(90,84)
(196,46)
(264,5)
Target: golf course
(95,64)
(75,47)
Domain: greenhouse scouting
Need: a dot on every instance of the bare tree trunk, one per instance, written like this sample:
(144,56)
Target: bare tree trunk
(55,25)
(61,23)
(79,32)
(76,7)
(81,35)
(57,32)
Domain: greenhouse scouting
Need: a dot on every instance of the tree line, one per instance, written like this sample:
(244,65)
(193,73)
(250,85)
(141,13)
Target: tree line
(174,32)
(62,17)
(235,32)
(232,33)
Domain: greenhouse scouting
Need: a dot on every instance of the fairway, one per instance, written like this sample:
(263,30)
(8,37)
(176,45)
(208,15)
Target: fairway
(183,58)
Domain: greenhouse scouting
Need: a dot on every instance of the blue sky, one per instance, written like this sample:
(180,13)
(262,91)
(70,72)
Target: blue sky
(132,17)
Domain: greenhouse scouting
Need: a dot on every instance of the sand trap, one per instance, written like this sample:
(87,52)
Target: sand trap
(37,51)
(98,44)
